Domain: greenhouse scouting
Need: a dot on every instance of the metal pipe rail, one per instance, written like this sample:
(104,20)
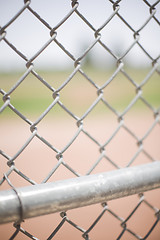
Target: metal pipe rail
(67,194)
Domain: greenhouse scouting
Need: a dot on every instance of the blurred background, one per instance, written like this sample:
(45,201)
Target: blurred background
(31,98)
(75,35)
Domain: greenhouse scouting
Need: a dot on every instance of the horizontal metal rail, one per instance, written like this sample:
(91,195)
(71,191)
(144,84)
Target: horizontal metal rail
(63,195)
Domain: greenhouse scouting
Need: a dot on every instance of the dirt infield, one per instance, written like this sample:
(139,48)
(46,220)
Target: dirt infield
(37,160)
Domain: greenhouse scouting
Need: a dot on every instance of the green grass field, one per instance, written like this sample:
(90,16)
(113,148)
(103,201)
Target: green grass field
(32,97)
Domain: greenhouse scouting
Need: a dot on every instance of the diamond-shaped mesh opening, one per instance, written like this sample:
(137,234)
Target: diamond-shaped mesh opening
(147,214)
(88,153)
(102,228)
(122,148)
(31,101)
(138,126)
(78,95)
(52,127)
(34,40)
(74,33)
(36,152)
(109,36)
(119,92)
(105,224)
(103,8)
(100,128)
(129,13)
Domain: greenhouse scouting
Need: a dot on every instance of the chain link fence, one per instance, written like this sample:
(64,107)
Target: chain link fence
(89,129)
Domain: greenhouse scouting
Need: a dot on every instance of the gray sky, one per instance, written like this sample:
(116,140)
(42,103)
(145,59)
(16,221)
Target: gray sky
(28,34)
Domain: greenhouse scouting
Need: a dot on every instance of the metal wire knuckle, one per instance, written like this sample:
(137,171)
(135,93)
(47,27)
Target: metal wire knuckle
(29,64)
(77,63)
(124,225)
(97,34)
(3,34)
(6,97)
(10,163)
(116,4)
(136,35)
(53,32)
(158,215)
(59,156)
(63,214)
(74,2)
(55,94)
(27,1)
(33,128)
(152,9)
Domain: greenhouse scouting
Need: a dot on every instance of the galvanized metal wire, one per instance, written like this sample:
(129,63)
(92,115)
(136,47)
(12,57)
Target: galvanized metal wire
(80,119)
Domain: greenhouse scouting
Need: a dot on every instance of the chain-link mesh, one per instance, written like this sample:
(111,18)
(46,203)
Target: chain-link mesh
(88,129)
